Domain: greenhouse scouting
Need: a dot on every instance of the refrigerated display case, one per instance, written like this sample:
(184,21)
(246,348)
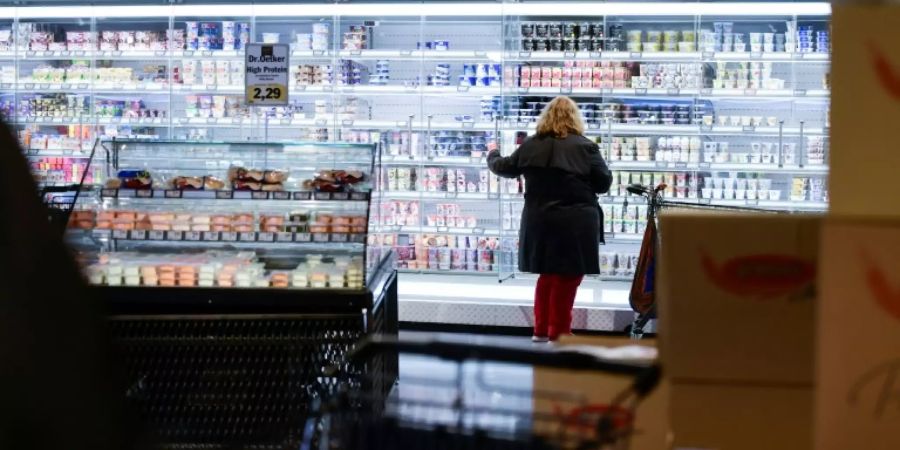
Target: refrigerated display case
(726,102)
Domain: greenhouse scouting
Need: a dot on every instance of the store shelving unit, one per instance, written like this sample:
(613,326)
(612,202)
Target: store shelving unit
(426,123)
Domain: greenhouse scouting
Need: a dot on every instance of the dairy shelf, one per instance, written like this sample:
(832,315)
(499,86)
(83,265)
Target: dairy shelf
(223,236)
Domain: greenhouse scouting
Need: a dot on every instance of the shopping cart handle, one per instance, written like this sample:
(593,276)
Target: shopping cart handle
(545,356)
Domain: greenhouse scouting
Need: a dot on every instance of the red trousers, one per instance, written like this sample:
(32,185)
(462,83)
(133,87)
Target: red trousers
(554,297)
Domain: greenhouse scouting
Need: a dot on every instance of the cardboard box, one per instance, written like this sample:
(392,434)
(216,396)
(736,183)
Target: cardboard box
(736,297)
(732,417)
(864,107)
(591,389)
(858,333)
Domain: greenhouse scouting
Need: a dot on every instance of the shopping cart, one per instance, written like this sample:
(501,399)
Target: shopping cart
(642,296)
(466,411)
(60,199)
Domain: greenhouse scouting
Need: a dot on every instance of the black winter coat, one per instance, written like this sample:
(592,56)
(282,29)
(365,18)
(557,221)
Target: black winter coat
(562,224)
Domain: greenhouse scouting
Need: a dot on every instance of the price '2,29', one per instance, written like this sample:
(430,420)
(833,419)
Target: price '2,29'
(267,94)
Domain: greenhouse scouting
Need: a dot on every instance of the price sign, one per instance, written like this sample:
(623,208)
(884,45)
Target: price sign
(340,196)
(302,195)
(302,237)
(265,236)
(143,193)
(281,195)
(229,236)
(175,235)
(120,234)
(267,69)
(210,235)
(320,237)
(139,235)
(192,236)
(248,237)
(156,235)
(259,195)
(338,237)
(284,237)
(359,196)
(173,193)
(224,195)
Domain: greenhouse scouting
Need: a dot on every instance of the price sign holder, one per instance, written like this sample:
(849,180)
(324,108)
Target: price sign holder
(267,71)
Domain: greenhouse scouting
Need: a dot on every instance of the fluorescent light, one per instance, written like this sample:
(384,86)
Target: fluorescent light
(210,11)
(668,9)
(430,9)
(382,10)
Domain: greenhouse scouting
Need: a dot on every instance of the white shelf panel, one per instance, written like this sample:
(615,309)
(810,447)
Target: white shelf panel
(528,56)
(424,195)
(714,167)
(429,55)
(476,231)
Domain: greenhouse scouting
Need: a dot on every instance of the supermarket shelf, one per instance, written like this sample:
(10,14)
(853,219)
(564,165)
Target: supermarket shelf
(525,56)
(714,167)
(456,196)
(454,161)
(234,195)
(491,273)
(227,237)
(672,92)
(419,90)
(58,153)
(474,231)
(429,55)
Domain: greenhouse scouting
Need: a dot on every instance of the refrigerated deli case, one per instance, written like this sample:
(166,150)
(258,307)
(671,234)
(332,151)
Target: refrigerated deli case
(235,275)
(725,102)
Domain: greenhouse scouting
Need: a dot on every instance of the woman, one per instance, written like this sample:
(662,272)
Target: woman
(562,223)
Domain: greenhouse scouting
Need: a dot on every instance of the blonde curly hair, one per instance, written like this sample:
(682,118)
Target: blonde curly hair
(560,118)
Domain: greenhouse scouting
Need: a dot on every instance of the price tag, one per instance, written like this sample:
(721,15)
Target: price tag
(160,53)
(318,52)
(79,53)
(65,86)
(302,195)
(248,237)
(143,193)
(285,121)
(327,88)
(192,236)
(704,165)
(523,90)
(468,125)
(340,196)
(188,53)
(749,129)
(462,89)
(265,236)
(173,193)
(593,126)
(321,122)
(175,235)
(749,92)
(753,202)
(141,87)
(117,53)
(405,52)
(281,195)
(662,164)
(361,196)
(120,234)
(635,55)
(29,85)
(211,236)
(706,91)
(49,54)
(338,237)
(323,196)
(680,165)
(320,237)
(300,87)
(595,55)
(451,195)
(442,229)
(237,121)
(229,236)
(57,120)
(524,54)
(156,235)
(115,120)
(184,120)
(29,53)
(206,53)
(798,55)
(708,55)
(138,235)
(224,195)
(358,238)
(755,55)
(259,195)
(568,54)
(640,91)
(565,90)
(212,121)
(673,91)
(480,53)
(477,230)
(356,52)
(82,86)
(799,92)
(347,123)
(302,237)
(704,201)
(284,237)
